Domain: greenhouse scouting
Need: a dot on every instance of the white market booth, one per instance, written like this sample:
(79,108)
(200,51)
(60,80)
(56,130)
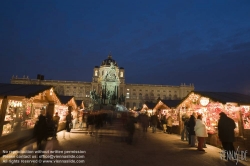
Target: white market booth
(210,104)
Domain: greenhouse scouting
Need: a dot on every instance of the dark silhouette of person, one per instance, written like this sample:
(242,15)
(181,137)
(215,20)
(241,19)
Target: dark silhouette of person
(56,119)
(144,122)
(226,135)
(69,118)
(191,124)
(40,131)
(153,122)
(130,126)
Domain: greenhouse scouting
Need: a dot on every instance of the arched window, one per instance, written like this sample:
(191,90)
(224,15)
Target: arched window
(134,95)
(164,97)
(140,96)
(152,96)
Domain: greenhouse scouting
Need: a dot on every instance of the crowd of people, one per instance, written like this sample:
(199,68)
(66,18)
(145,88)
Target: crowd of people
(194,129)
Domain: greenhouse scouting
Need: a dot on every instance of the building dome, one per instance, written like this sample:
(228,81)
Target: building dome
(107,62)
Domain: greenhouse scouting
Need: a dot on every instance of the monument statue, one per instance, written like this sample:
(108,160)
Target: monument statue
(94,96)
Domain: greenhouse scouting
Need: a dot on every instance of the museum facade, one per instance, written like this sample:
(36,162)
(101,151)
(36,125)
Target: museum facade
(108,86)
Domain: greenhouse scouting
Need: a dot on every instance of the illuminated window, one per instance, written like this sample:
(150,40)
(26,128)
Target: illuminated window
(121,74)
(127,95)
(96,72)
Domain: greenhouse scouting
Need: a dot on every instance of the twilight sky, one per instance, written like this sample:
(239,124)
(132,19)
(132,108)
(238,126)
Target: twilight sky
(166,42)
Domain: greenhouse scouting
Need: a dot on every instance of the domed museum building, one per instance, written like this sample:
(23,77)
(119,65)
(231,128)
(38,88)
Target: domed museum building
(108,86)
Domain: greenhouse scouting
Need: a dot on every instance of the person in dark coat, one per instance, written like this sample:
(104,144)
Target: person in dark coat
(153,121)
(130,126)
(226,128)
(69,118)
(40,131)
(56,119)
(144,122)
(191,124)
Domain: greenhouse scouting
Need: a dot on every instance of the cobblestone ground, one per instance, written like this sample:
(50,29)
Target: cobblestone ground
(108,147)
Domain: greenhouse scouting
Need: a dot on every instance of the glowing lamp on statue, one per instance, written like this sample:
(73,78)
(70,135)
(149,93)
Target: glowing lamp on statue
(204,101)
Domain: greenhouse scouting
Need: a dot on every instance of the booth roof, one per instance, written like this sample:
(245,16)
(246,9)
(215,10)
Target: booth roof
(224,97)
(78,102)
(150,105)
(171,103)
(22,89)
(64,99)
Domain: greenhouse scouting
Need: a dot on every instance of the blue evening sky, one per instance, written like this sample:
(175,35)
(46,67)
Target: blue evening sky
(166,42)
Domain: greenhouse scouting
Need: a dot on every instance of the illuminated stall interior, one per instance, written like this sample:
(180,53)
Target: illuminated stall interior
(23,104)
(169,108)
(148,108)
(210,104)
(65,103)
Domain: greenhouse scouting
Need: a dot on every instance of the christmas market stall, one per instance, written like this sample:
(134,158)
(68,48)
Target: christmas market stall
(169,108)
(210,104)
(148,107)
(20,107)
(66,103)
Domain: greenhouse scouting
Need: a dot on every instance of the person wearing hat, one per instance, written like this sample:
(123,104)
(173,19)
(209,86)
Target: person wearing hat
(226,128)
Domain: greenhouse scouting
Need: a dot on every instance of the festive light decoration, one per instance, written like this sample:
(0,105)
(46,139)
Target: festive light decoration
(204,101)
(15,104)
(193,97)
